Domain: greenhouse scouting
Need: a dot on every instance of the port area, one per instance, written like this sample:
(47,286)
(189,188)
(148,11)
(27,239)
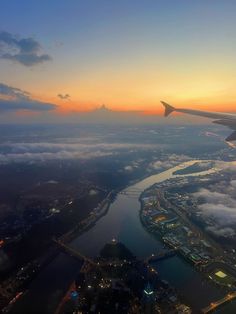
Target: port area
(164,214)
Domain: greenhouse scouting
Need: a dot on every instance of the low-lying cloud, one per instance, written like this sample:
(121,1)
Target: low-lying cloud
(218,205)
(222,231)
(172,161)
(26,152)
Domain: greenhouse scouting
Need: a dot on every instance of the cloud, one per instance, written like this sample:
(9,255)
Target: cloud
(172,161)
(128,168)
(26,51)
(221,232)
(13,99)
(233,183)
(214,197)
(32,152)
(12,91)
(46,156)
(64,97)
(217,206)
(55,147)
(223,215)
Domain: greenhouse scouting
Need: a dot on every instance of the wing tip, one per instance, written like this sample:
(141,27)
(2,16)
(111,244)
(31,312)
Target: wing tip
(168,108)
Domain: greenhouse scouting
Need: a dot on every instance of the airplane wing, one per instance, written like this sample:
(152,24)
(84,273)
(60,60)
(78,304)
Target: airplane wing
(226,119)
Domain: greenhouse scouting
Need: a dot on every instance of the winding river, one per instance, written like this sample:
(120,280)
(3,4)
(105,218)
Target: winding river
(122,223)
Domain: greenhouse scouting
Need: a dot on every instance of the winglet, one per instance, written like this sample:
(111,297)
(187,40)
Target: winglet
(168,108)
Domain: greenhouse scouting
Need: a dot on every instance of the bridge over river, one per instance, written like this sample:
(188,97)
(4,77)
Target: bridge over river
(214,305)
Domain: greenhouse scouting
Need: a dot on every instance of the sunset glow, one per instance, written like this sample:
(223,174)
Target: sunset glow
(128,56)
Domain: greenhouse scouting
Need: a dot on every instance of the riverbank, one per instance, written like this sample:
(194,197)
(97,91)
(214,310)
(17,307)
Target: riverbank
(167,222)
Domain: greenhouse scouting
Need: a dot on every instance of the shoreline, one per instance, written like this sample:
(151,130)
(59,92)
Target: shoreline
(201,266)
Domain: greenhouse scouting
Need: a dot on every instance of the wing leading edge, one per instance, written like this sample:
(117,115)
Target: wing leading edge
(226,119)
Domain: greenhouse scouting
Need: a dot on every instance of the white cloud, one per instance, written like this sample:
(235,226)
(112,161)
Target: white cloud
(222,232)
(26,152)
(128,168)
(218,203)
(172,161)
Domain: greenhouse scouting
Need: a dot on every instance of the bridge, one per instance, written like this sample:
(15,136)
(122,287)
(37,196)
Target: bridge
(161,255)
(132,192)
(214,305)
(87,261)
(68,249)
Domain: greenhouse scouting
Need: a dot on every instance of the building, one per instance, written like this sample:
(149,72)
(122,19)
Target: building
(148,300)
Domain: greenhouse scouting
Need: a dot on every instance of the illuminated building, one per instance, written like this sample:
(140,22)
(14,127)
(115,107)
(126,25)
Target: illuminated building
(148,300)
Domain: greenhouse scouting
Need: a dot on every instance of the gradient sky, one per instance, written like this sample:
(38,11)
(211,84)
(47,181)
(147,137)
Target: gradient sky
(128,54)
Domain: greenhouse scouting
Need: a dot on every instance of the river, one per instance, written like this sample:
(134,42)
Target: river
(122,223)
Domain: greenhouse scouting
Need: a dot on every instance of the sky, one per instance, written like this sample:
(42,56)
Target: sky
(65,56)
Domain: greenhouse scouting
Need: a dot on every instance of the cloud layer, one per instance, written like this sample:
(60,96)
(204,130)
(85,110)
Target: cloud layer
(13,99)
(28,152)
(218,207)
(26,51)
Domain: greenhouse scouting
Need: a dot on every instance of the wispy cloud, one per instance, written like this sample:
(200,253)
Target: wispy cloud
(64,97)
(26,51)
(27,152)
(46,156)
(13,99)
